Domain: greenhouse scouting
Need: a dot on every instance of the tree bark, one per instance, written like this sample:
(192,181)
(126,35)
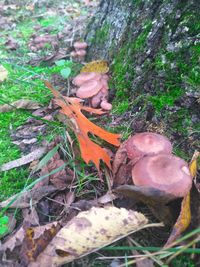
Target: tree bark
(152,47)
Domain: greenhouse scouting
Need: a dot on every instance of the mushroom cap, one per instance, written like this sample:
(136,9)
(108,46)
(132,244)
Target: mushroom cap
(96,99)
(85,77)
(80,45)
(81,53)
(164,172)
(89,89)
(105,105)
(147,143)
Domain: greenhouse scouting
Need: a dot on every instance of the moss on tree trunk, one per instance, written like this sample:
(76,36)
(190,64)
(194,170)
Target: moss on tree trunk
(154,54)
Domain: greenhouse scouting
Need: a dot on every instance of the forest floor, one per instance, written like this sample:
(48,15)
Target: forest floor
(35,44)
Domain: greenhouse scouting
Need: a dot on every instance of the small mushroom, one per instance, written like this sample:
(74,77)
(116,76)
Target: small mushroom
(89,89)
(105,105)
(140,145)
(165,172)
(80,46)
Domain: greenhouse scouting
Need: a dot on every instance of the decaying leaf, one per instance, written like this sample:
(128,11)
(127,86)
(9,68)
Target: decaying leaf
(22,103)
(32,246)
(3,73)
(99,66)
(88,232)
(184,218)
(72,107)
(27,198)
(10,248)
(145,194)
(36,154)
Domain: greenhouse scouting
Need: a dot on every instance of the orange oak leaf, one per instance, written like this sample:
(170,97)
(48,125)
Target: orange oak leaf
(90,151)
(184,218)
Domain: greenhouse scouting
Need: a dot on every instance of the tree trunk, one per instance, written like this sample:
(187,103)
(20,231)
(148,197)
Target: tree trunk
(154,60)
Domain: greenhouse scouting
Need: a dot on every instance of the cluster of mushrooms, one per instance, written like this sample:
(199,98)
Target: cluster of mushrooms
(153,165)
(79,50)
(91,85)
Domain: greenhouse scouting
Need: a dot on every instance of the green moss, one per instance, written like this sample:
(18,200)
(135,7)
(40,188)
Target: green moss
(123,69)
(101,34)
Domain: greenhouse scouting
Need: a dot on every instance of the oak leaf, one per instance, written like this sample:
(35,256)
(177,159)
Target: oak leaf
(90,151)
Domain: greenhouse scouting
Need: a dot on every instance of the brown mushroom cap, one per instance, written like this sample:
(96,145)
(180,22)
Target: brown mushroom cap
(164,172)
(96,99)
(81,53)
(89,89)
(85,77)
(105,105)
(80,45)
(147,143)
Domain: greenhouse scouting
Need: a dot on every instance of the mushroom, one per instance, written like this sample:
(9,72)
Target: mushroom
(85,77)
(89,89)
(95,87)
(140,145)
(105,105)
(80,50)
(165,172)
(158,176)
(80,46)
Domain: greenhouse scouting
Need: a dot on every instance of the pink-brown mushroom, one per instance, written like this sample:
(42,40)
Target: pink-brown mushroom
(80,46)
(106,106)
(140,145)
(85,77)
(89,89)
(165,172)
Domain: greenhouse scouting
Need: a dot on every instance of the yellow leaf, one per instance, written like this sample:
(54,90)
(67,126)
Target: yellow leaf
(89,231)
(184,218)
(193,164)
(99,66)
(182,222)
(3,73)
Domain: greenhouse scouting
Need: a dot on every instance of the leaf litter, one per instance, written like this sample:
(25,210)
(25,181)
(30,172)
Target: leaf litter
(75,233)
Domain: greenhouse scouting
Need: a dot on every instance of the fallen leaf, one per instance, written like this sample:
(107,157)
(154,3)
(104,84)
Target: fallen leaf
(22,103)
(3,73)
(32,247)
(145,194)
(11,246)
(60,178)
(88,232)
(27,198)
(81,126)
(36,154)
(184,218)
(99,66)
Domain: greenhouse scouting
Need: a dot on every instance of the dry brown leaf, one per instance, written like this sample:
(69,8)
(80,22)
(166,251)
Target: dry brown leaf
(72,108)
(88,232)
(60,178)
(10,248)
(30,197)
(36,154)
(22,103)
(3,73)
